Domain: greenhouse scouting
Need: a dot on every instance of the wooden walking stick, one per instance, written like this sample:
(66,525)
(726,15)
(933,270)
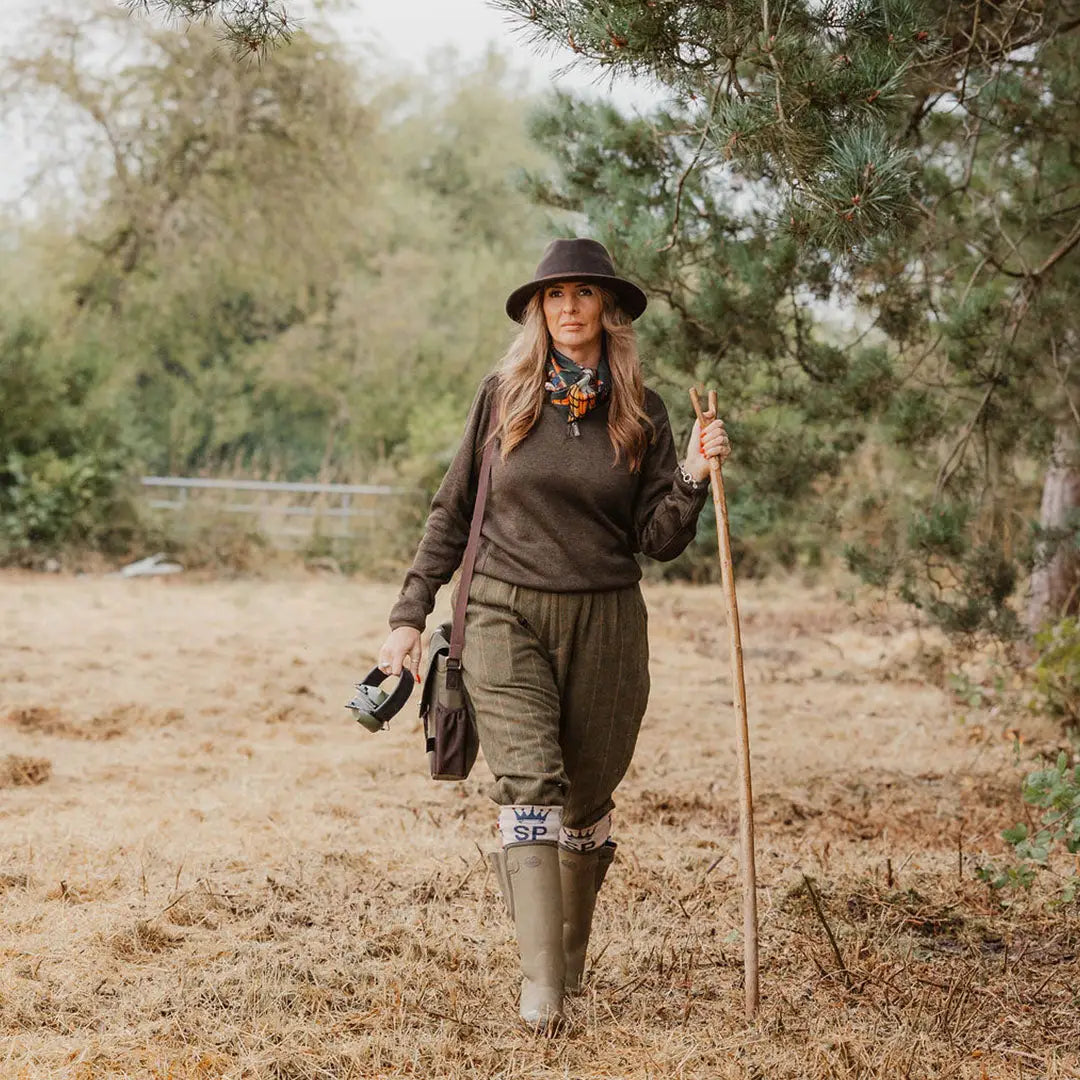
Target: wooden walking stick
(746,797)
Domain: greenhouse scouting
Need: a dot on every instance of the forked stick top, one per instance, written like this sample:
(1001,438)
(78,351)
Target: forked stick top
(695,400)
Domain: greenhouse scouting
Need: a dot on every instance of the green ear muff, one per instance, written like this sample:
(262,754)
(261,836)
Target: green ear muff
(372,706)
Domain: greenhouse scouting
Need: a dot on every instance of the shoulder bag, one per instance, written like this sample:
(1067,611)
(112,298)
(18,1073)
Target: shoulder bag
(445,709)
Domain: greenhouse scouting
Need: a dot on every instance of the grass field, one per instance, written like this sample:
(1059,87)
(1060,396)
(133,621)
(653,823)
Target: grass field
(208,870)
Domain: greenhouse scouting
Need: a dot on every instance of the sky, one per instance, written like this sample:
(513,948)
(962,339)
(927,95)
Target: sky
(411,29)
(403,31)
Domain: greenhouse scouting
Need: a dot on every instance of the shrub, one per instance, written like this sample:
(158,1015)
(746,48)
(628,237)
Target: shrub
(63,459)
(48,502)
(1055,791)
(1057,670)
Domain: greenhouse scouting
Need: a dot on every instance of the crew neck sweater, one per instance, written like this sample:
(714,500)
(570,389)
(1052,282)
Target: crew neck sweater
(561,515)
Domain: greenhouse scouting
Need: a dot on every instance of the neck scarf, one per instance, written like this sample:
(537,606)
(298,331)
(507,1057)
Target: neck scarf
(576,390)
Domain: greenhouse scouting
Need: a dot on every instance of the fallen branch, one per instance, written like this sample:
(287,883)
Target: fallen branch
(828,931)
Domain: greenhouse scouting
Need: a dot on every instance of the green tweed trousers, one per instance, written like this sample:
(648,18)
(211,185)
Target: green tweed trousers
(559,683)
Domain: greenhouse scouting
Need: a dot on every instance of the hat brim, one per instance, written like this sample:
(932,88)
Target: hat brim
(631,299)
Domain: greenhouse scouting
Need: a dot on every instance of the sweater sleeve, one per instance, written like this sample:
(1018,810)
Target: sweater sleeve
(667,508)
(447,530)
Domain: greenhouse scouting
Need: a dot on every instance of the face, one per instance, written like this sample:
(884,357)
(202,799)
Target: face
(572,311)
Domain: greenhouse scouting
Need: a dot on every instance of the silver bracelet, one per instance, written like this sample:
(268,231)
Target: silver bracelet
(689,480)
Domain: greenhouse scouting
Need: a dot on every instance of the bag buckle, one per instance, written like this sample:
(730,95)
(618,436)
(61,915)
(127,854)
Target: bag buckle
(453,674)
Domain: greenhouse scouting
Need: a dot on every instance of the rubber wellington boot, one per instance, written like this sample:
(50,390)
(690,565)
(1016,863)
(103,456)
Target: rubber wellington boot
(582,875)
(528,875)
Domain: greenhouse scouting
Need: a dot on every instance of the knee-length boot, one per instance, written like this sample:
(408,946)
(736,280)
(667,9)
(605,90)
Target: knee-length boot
(582,874)
(528,875)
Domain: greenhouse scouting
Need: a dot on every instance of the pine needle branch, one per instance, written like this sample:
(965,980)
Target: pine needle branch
(772,59)
(690,168)
(252,27)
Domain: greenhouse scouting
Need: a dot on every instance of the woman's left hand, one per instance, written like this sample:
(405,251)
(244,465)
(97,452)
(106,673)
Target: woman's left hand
(713,442)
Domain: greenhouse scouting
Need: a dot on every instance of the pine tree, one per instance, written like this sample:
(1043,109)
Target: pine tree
(250,26)
(923,158)
(734,294)
(802,92)
(991,275)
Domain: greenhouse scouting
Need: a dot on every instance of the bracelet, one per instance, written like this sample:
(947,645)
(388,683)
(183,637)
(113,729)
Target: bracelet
(689,480)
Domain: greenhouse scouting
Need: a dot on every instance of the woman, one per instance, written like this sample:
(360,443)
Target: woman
(556,658)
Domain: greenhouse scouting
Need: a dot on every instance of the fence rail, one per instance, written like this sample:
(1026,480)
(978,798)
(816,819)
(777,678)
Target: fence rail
(342,507)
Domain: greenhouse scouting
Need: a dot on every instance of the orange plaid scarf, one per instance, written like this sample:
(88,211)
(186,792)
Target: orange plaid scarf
(574,389)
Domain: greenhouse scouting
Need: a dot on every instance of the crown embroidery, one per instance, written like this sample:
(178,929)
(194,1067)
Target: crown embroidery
(582,834)
(531,813)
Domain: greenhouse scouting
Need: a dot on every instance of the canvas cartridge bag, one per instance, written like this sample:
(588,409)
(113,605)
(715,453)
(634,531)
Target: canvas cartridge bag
(450,735)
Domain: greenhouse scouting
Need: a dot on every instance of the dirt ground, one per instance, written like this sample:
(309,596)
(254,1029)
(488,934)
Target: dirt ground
(207,869)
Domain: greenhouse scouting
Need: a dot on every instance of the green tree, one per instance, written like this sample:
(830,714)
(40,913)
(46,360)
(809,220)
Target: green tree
(290,269)
(418,319)
(984,290)
(229,211)
(926,154)
(734,307)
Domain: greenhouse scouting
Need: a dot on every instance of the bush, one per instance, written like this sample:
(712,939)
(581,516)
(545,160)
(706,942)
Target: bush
(63,461)
(48,502)
(1055,791)
(1057,670)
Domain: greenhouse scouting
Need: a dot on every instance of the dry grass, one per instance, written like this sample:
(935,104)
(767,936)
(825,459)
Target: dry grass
(16,770)
(226,878)
(110,723)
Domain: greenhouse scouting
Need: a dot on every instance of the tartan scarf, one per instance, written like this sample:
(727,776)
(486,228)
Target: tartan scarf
(576,390)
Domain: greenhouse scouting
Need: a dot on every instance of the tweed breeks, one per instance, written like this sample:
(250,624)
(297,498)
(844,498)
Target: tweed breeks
(559,682)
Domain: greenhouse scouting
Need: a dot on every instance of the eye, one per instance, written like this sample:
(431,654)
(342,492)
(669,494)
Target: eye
(585,290)
(554,292)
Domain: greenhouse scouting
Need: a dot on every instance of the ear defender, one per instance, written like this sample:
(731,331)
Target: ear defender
(372,707)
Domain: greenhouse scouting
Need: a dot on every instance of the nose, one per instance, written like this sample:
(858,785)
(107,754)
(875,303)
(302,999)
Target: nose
(570,302)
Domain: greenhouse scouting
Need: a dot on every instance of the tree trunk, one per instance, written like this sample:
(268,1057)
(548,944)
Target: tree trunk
(1055,580)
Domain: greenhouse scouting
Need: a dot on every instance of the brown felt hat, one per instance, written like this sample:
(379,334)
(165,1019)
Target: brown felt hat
(577,260)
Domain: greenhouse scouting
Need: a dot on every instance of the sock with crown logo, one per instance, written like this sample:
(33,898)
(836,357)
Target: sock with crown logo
(530,824)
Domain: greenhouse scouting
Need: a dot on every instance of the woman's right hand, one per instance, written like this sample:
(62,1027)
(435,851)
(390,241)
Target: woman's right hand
(402,644)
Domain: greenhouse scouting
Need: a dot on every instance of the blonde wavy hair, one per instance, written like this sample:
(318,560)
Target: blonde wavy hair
(521,395)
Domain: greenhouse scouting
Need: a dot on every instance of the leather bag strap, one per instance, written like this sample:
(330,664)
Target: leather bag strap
(457,635)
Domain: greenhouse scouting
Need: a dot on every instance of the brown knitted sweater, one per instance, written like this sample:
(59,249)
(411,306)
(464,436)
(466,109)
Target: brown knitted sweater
(559,515)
